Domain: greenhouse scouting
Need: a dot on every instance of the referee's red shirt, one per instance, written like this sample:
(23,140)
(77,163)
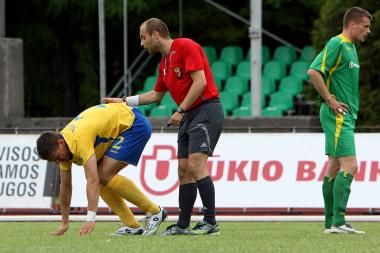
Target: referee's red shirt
(185,56)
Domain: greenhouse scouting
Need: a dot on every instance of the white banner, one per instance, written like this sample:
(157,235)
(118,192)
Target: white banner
(22,174)
(249,170)
(252,170)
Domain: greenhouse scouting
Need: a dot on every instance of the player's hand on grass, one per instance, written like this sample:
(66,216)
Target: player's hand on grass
(87,228)
(337,107)
(112,100)
(61,230)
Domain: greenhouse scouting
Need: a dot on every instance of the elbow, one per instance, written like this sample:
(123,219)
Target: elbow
(311,73)
(93,182)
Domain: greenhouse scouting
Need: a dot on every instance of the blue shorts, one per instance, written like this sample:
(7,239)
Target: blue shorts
(129,145)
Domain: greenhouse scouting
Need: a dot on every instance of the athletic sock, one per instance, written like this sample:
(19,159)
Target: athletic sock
(186,199)
(125,187)
(328,197)
(341,194)
(207,192)
(119,207)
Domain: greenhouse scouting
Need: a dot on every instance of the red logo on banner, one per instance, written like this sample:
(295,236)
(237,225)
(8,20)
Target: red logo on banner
(162,169)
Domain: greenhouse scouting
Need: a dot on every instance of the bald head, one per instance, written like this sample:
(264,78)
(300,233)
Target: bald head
(156,25)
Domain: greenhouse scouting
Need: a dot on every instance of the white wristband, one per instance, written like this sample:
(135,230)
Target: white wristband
(91,215)
(132,100)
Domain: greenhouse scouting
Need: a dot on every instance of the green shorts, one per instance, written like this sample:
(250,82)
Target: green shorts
(339,132)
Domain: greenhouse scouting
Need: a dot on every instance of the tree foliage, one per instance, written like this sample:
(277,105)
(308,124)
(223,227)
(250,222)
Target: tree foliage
(61,57)
(330,24)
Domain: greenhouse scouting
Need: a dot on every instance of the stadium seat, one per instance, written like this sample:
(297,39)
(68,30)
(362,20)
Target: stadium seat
(232,54)
(282,100)
(307,54)
(210,52)
(265,55)
(218,82)
(285,54)
(146,108)
(168,102)
(271,112)
(237,85)
(246,100)
(268,86)
(244,70)
(229,101)
(149,83)
(291,85)
(221,69)
(299,70)
(242,111)
(160,111)
(274,70)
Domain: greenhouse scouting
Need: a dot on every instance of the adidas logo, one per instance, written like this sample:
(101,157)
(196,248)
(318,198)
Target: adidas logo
(203,145)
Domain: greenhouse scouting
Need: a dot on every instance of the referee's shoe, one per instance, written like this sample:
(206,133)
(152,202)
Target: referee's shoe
(206,228)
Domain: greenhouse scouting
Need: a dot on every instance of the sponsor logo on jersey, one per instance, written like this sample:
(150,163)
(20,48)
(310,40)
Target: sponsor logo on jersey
(177,71)
(353,65)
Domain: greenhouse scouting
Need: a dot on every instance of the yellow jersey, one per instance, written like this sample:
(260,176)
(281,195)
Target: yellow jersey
(94,130)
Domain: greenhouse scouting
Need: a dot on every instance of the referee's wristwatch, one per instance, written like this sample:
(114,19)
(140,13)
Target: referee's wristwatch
(180,110)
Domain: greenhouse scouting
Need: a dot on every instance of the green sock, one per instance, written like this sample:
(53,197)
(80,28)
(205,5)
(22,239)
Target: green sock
(328,197)
(341,193)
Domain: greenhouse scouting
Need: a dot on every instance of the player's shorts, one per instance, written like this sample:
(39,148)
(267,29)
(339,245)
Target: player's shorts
(129,145)
(339,132)
(200,129)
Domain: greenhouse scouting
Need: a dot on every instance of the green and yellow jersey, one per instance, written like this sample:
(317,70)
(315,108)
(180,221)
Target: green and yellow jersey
(94,130)
(339,64)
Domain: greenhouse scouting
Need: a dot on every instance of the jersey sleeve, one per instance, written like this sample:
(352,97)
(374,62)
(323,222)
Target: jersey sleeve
(327,59)
(65,166)
(85,149)
(160,84)
(192,56)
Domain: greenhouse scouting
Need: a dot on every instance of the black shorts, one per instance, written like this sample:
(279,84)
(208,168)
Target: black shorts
(200,129)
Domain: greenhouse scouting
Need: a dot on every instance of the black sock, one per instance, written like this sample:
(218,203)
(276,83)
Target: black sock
(187,196)
(207,192)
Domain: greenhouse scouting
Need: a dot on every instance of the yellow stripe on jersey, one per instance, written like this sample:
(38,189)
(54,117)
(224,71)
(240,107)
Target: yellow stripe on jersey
(95,129)
(323,65)
(331,71)
(338,128)
(344,38)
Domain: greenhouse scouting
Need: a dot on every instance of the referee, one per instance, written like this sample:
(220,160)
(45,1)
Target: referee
(184,71)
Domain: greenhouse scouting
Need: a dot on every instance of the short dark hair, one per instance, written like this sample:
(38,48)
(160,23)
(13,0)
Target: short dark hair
(155,24)
(355,14)
(47,143)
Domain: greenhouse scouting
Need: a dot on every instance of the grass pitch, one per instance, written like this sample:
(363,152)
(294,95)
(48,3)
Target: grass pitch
(235,237)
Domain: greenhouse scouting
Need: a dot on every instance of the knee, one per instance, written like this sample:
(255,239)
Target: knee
(196,169)
(103,179)
(183,174)
(354,170)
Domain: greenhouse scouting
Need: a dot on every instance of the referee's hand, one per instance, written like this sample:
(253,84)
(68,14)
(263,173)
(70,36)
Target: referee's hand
(175,119)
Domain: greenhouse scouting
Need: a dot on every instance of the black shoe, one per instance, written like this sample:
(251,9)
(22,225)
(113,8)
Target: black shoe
(206,228)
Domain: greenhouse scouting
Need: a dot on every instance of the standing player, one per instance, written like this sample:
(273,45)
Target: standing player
(335,75)
(185,72)
(103,139)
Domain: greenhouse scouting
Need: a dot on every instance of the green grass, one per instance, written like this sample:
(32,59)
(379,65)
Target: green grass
(235,237)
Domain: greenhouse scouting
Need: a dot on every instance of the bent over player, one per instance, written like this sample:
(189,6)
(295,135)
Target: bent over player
(103,139)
